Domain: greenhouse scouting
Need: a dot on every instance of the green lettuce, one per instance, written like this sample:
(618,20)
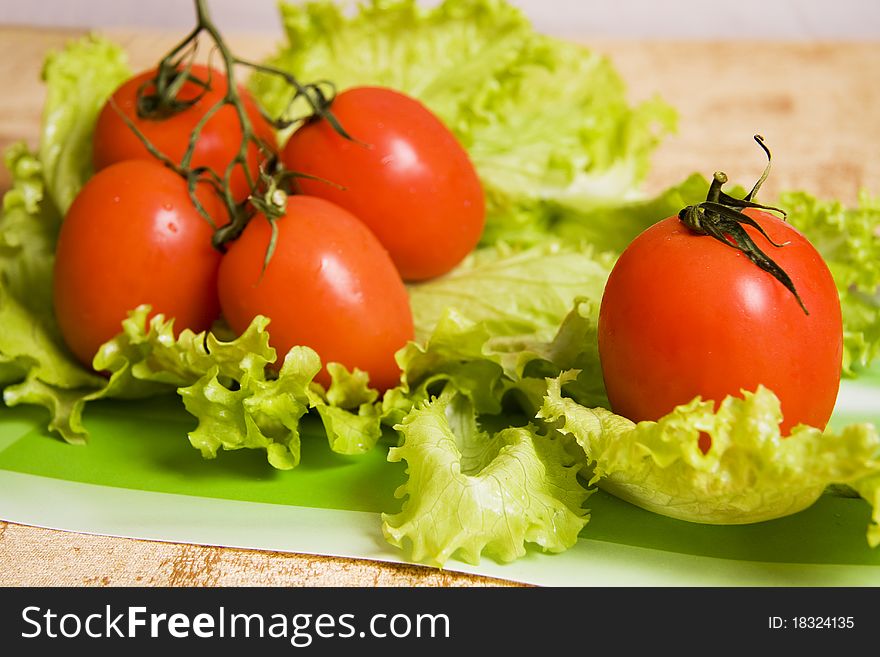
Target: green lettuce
(516,290)
(546,122)
(869,489)
(28,230)
(79,80)
(472,493)
(502,318)
(749,473)
(553,388)
(486,477)
(235,393)
(469,389)
(849,241)
(35,366)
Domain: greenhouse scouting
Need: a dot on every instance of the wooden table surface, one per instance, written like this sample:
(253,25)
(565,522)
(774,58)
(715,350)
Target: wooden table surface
(818,105)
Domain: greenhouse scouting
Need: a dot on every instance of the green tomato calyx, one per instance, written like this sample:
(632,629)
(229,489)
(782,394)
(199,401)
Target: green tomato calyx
(721,216)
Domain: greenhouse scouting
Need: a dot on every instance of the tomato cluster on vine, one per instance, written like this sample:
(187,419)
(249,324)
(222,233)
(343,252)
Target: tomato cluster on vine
(195,210)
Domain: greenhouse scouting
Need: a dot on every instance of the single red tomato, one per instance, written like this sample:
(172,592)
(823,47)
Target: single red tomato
(329,285)
(133,236)
(685,315)
(217,145)
(403,174)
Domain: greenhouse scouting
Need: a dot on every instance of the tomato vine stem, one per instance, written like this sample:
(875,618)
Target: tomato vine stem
(721,216)
(159,98)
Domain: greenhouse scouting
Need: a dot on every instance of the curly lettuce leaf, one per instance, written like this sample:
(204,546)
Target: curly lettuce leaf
(65,406)
(500,321)
(471,493)
(515,290)
(35,366)
(351,417)
(260,414)
(546,122)
(443,55)
(78,80)
(148,354)
(750,473)
(485,365)
(849,241)
(579,146)
(869,489)
(612,227)
(28,230)
(457,352)
(231,388)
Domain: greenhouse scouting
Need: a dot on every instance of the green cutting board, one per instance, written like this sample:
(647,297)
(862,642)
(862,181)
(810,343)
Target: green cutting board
(138,476)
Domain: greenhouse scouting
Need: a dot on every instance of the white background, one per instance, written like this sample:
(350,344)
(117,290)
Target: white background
(661,19)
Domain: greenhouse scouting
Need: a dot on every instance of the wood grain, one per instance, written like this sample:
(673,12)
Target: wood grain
(815,103)
(32,556)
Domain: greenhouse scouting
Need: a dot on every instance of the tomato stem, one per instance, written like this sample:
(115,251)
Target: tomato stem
(721,216)
(158,99)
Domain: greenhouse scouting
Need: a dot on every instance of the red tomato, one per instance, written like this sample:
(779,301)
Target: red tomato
(684,315)
(133,236)
(329,285)
(404,175)
(218,144)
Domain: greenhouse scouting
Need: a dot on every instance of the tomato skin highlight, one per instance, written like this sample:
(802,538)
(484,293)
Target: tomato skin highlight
(684,315)
(330,285)
(133,236)
(405,176)
(219,141)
